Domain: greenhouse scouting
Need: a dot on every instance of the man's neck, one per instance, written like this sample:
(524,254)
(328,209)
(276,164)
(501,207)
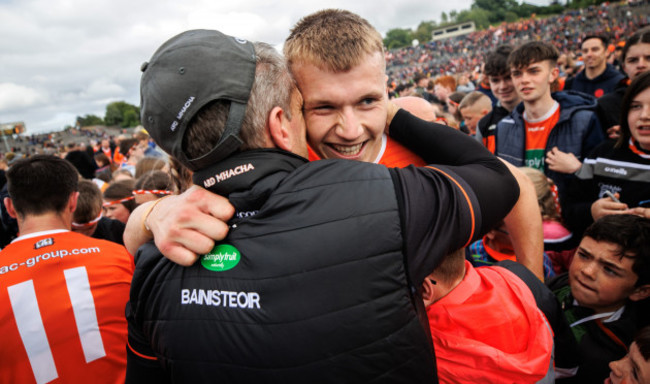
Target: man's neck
(444,288)
(538,108)
(44,222)
(592,73)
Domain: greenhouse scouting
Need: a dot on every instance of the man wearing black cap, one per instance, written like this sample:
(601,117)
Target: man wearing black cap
(318,278)
(337,60)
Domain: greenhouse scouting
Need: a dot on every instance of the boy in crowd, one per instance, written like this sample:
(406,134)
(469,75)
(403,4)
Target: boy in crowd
(601,294)
(473,107)
(543,121)
(497,72)
(88,219)
(512,342)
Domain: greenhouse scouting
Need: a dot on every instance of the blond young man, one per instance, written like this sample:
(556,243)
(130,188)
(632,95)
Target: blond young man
(337,59)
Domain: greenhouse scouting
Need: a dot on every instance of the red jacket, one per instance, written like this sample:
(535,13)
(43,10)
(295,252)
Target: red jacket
(489,330)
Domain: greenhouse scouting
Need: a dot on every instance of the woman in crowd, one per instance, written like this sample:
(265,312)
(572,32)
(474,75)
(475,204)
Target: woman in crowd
(152,185)
(148,164)
(119,200)
(105,168)
(635,58)
(615,177)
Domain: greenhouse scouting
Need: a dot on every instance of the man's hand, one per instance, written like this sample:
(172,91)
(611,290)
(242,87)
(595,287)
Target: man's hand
(563,162)
(183,226)
(607,206)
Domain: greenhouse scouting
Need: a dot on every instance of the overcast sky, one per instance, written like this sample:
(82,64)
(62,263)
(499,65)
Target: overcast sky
(65,58)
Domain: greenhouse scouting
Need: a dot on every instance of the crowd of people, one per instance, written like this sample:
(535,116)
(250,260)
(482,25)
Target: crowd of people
(465,54)
(482,217)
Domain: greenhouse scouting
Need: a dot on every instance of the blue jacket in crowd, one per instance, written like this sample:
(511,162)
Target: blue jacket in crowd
(577,131)
(601,85)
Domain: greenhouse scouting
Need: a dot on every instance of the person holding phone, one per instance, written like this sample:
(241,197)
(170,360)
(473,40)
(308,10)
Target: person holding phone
(615,177)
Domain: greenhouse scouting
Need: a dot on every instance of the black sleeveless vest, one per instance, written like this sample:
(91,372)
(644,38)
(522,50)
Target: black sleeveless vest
(309,286)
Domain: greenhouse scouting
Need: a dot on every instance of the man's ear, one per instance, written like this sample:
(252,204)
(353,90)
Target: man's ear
(428,294)
(555,73)
(10,207)
(640,293)
(279,129)
(72,201)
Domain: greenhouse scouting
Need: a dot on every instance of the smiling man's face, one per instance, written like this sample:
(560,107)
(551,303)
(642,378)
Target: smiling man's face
(345,112)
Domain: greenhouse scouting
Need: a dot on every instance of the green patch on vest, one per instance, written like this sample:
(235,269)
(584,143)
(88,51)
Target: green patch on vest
(222,258)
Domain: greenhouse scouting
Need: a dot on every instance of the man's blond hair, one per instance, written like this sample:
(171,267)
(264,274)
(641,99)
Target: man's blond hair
(332,39)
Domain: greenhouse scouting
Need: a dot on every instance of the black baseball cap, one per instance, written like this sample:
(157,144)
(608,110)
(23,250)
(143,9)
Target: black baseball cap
(187,72)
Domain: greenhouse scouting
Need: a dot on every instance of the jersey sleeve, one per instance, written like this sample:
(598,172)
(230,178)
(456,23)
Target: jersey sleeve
(436,143)
(449,204)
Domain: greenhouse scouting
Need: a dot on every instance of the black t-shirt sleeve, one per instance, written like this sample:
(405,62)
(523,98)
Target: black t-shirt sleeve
(445,208)
(451,203)
(436,143)
(437,218)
